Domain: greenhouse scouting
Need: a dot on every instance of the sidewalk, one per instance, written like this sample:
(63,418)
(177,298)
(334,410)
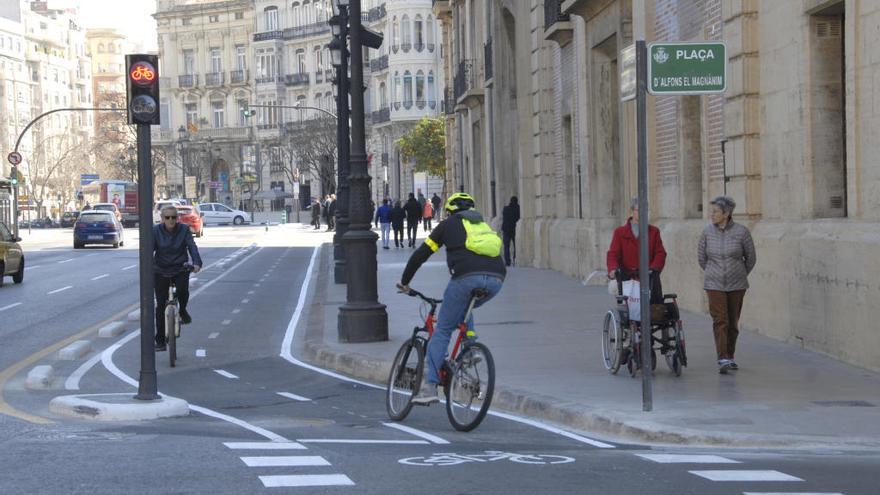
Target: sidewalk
(544,330)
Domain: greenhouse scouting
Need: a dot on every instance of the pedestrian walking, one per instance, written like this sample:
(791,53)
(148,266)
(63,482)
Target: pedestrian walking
(435,202)
(413,216)
(383,216)
(398,215)
(727,255)
(316,214)
(509,217)
(331,213)
(427,215)
(422,200)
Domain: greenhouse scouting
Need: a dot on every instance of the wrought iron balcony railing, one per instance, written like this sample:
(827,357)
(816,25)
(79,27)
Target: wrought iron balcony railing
(267,79)
(268,35)
(188,80)
(553,13)
(381,115)
(238,76)
(299,79)
(214,79)
(449,102)
(465,78)
(378,64)
(487,59)
(307,30)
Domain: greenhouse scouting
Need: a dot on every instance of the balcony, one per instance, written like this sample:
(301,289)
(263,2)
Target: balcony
(214,79)
(449,102)
(382,115)
(306,31)
(267,79)
(406,47)
(467,90)
(223,133)
(297,79)
(379,64)
(487,60)
(238,77)
(188,81)
(319,77)
(162,136)
(377,13)
(269,35)
(557,26)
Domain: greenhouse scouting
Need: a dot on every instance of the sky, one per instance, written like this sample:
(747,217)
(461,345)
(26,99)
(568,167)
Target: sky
(130,17)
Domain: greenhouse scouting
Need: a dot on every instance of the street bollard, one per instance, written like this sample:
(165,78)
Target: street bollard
(284,217)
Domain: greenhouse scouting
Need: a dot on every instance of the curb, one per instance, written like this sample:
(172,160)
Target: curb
(75,350)
(113,329)
(117,407)
(134,315)
(40,377)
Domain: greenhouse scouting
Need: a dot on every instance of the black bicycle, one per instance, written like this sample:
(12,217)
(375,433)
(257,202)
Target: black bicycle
(172,317)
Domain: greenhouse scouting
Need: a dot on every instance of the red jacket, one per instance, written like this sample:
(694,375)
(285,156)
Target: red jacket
(624,250)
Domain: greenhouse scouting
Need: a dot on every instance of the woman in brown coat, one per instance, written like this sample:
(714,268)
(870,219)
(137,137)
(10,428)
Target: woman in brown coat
(727,255)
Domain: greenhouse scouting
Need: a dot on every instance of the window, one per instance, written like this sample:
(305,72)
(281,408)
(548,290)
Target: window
(189,62)
(296,15)
(383,95)
(319,59)
(213,18)
(186,21)
(101,48)
(395,33)
(431,90)
(420,89)
(419,34)
(301,61)
(218,113)
(406,33)
(430,32)
(215,60)
(396,89)
(319,101)
(242,105)
(192,114)
(165,115)
(239,16)
(271,18)
(240,57)
(407,90)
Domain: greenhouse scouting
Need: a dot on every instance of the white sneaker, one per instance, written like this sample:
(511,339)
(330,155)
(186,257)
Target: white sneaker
(427,395)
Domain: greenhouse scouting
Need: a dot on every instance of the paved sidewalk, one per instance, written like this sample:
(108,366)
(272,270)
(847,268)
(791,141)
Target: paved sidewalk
(544,330)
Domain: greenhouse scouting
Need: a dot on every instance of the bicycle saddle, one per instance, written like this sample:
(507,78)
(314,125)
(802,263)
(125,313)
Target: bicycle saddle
(479,293)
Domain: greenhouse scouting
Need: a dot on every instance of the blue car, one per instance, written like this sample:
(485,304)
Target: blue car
(97,227)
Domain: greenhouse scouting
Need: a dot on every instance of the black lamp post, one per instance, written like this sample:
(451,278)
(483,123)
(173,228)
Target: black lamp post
(182,144)
(362,318)
(339,55)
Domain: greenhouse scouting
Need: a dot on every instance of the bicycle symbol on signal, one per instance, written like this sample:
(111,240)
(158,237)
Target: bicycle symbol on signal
(142,73)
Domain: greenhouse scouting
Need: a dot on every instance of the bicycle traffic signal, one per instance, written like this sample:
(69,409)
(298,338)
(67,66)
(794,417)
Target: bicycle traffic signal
(142,87)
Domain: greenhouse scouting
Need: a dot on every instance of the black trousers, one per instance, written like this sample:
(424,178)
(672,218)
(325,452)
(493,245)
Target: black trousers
(162,283)
(507,238)
(412,228)
(398,235)
(427,223)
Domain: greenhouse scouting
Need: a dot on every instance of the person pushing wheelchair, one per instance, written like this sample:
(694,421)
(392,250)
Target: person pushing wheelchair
(623,253)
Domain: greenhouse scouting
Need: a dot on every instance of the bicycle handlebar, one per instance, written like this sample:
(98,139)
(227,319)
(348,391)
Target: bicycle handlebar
(415,293)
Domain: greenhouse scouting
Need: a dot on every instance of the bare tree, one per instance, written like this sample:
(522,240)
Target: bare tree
(55,166)
(310,148)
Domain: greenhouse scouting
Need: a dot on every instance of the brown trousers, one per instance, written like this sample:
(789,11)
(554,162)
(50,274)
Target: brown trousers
(725,307)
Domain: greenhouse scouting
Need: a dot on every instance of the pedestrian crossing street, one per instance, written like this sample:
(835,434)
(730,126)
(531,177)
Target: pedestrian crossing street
(732,474)
(290,461)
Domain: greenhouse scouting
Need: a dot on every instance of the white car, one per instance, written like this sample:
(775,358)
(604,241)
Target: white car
(162,204)
(217,213)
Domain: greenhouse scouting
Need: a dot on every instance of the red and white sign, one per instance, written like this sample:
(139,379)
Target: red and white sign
(14,158)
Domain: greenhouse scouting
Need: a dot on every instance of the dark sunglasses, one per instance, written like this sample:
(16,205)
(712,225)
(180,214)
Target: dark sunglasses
(171,218)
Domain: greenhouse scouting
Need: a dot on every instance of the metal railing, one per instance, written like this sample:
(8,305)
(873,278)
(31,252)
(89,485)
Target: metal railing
(464,78)
(553,13)
(188,81)
(238,76)
(381,115)
(449,102)
(268,35)
(296,79)
(487,59)
(378,64)
(214,79)
(267,79)
(307,30)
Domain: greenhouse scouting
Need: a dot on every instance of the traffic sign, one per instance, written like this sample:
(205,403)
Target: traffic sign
(687,68)
(14,157)
(85,179)
(215,184)
(24,198)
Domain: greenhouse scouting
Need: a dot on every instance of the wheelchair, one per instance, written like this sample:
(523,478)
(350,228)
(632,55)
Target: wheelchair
(621,337)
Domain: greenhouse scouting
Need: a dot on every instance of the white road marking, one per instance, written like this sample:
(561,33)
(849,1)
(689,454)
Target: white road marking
(99,277)
(358,441)
(226,322)
(418,433)
(293,396)
(744,475)
(72,382)
(236,311)
(256,285)
(265,445)
(226,374)
(4,308)
(791,493)
(306,480)
(200,353)
(687,459)
(245,301)
(65,261)
(129,267)
(285,460)
(32,267)
(250,292)
(552,429)
(59,290)
(213,335)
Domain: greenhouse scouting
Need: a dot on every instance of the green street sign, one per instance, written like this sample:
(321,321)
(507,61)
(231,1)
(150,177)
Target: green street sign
(684,68)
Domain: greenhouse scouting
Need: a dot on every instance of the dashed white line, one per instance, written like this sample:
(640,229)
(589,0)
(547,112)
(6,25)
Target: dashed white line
(744,475)
(236,311)
(687,459)
(265,445)
(306,480)
(59,290)
(99,277)
(285,460)
(418,433)
(200,353)
(32,267)
(226,374)
(213,335)
(256,285)
(360,441)
(65,261)
(791,493)
(250,292)
(226,322)
(4,308)
(129,267)
(293,396)
(245,301)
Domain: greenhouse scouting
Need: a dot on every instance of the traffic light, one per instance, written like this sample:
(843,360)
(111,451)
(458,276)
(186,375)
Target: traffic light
(142,86)
(247,112)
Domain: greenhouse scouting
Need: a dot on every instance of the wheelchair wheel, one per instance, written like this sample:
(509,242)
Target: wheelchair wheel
(612,343)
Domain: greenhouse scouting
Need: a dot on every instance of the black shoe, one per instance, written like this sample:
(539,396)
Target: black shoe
(385,247)
(185,318)
(733,366)
(160,348)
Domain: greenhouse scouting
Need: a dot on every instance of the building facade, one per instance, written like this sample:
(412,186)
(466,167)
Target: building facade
(205,56)
(537,113)
(16,85)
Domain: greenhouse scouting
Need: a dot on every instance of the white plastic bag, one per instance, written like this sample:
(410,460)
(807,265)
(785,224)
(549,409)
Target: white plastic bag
(632,289)
(612,287)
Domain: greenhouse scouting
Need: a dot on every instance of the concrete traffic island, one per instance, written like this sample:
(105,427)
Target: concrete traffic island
(117,407)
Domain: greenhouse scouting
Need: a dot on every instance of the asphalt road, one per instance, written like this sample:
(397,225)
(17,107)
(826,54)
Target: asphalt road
(262,423)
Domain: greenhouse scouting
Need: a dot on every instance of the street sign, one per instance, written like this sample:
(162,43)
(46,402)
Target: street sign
(191,186)
(215,184)
(628,73)
(24,198)
(85,179)
(14,158)
(685,68)
(239,181)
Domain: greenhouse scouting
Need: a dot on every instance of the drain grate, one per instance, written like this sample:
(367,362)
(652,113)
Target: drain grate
(843,403)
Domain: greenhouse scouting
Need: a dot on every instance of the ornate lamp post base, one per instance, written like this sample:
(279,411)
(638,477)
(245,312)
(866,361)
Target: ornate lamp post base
(362,318)
(340,266)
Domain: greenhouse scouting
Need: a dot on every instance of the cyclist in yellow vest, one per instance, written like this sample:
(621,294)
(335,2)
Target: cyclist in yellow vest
(473,254)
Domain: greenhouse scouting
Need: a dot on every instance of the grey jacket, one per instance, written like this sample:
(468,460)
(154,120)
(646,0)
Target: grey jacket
(726,256)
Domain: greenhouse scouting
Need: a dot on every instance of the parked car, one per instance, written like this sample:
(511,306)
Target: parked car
(11,256)
(98,227)
(69,218)
(217,213)
(162,204)
(108,207)
(192,216)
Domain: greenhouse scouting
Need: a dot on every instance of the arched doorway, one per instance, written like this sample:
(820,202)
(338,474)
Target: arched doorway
(220,182)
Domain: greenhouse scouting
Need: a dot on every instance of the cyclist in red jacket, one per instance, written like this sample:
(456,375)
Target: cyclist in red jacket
(624,251)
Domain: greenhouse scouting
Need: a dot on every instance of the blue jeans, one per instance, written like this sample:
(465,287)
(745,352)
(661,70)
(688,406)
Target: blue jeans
(455,304)
(386,231)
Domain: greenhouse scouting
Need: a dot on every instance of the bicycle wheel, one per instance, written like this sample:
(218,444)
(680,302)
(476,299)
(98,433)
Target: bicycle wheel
(405,379)
(171,322)
(612,346)
(471,387)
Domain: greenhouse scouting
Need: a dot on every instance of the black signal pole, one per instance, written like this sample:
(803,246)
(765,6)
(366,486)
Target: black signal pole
(339,24)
